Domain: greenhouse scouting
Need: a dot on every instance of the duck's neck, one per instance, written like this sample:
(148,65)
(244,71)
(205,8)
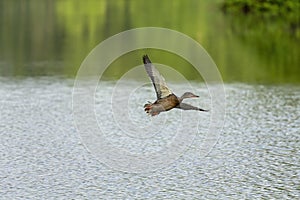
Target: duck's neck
(180,99)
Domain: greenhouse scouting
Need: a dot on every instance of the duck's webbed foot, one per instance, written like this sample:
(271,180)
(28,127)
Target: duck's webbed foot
(149,109)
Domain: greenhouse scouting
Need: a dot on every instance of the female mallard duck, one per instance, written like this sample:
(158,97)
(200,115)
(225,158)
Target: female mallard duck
(166,100)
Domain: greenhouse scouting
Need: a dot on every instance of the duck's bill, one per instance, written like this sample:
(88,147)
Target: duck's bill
(200,109)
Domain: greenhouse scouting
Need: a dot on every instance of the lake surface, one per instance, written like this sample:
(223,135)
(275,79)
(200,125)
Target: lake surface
(54,37)
(43,156)
(51,148)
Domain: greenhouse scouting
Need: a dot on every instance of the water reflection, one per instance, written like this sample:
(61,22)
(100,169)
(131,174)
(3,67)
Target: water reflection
(53,37)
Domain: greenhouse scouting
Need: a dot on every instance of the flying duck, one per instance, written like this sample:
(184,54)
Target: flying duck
(166,99)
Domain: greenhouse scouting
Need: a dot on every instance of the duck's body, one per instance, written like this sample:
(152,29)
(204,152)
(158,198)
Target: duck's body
(166,100)
(161,105)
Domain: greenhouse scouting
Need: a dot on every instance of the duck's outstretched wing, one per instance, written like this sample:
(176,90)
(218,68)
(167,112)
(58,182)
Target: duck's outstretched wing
(185,106)
(158,80)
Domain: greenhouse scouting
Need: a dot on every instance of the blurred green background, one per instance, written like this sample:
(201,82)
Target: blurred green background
(253,41)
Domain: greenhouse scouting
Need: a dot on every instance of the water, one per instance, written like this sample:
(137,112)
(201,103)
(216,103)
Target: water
(54,37)
(43,157)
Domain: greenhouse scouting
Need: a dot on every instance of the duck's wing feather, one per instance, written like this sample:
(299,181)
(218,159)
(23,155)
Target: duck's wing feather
(185,106)
(157,79)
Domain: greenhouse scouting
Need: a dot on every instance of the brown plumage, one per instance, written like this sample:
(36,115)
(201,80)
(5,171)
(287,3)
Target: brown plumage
(166,99)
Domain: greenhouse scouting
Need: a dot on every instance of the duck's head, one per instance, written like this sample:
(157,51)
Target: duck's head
(188,95)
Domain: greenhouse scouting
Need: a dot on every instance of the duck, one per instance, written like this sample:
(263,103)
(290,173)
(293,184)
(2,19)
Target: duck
(166,99)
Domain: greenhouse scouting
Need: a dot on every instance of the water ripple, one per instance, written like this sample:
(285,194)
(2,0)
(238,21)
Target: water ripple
(42,156)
